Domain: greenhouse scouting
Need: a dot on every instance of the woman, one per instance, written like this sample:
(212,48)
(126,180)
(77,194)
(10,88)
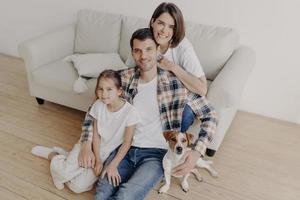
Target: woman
(176,52)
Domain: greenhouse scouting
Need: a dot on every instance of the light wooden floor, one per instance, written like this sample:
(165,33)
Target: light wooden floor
(259,158)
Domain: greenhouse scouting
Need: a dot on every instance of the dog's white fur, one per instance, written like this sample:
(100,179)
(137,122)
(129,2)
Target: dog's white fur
(174,157)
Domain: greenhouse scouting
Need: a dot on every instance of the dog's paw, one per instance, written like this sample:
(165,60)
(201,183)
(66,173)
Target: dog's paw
(213,173)
(163,189)
(185,187)
(197,175)
(185,190)
(199,178)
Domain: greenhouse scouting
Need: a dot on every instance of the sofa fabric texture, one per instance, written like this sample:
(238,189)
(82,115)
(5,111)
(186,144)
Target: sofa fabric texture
(97,32)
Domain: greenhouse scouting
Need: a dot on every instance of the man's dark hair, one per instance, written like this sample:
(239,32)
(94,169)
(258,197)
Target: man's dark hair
(142,34)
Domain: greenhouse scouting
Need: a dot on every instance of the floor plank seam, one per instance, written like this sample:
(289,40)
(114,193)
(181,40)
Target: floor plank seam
(13,192)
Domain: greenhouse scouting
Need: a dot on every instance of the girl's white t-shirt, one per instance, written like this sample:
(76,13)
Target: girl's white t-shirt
(111,125)
(183,55)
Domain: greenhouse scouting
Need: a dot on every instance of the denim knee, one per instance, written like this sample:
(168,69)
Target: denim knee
(145,177)
(188,117)
(104,190)
(136,192)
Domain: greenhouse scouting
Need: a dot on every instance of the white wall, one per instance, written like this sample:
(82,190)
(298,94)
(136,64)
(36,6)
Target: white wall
(271,27)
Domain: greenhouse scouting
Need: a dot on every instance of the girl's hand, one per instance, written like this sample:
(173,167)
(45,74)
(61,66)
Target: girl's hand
(166,64)
(113,175)
(98,168)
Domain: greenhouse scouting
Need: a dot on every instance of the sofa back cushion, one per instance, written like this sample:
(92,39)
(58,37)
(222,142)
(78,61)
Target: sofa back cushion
(97,32)
(129,25)
(213,46)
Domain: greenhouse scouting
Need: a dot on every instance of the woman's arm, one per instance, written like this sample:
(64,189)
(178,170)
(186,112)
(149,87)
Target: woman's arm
(188,69)
(191,82)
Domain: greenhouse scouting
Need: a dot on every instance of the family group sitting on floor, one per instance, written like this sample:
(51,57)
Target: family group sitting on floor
(122,143)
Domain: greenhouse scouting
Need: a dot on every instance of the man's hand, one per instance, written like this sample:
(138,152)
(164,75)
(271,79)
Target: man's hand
(113,175)
(166,64)
(190,161)
(86,157)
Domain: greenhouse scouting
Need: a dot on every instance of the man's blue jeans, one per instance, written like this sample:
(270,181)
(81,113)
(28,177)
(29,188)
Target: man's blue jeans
(140,170)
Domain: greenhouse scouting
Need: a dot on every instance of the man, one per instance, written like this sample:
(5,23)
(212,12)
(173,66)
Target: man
(160,99)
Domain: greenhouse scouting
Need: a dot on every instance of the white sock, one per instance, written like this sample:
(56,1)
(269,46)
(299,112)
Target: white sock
(44,152)
(41,151)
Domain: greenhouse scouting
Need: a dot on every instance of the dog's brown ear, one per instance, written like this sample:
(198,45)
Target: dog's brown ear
(189,137)
(168,134)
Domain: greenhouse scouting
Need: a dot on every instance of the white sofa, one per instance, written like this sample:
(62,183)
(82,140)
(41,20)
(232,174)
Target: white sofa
(226,63)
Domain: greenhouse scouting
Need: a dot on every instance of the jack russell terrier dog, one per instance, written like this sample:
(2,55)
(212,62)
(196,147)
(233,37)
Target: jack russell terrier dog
(178,146)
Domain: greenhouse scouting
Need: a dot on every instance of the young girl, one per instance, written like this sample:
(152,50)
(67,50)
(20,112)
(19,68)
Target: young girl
(114,123)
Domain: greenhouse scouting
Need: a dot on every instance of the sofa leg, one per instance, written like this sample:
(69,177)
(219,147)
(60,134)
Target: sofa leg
(210,152)
(40,101)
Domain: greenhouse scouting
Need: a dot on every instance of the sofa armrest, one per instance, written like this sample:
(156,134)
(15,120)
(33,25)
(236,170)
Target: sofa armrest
(49,47)
(226,90)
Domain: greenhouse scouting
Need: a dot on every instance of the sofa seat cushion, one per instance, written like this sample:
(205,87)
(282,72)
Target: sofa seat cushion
(97,32)
(59,75)
(213,46)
